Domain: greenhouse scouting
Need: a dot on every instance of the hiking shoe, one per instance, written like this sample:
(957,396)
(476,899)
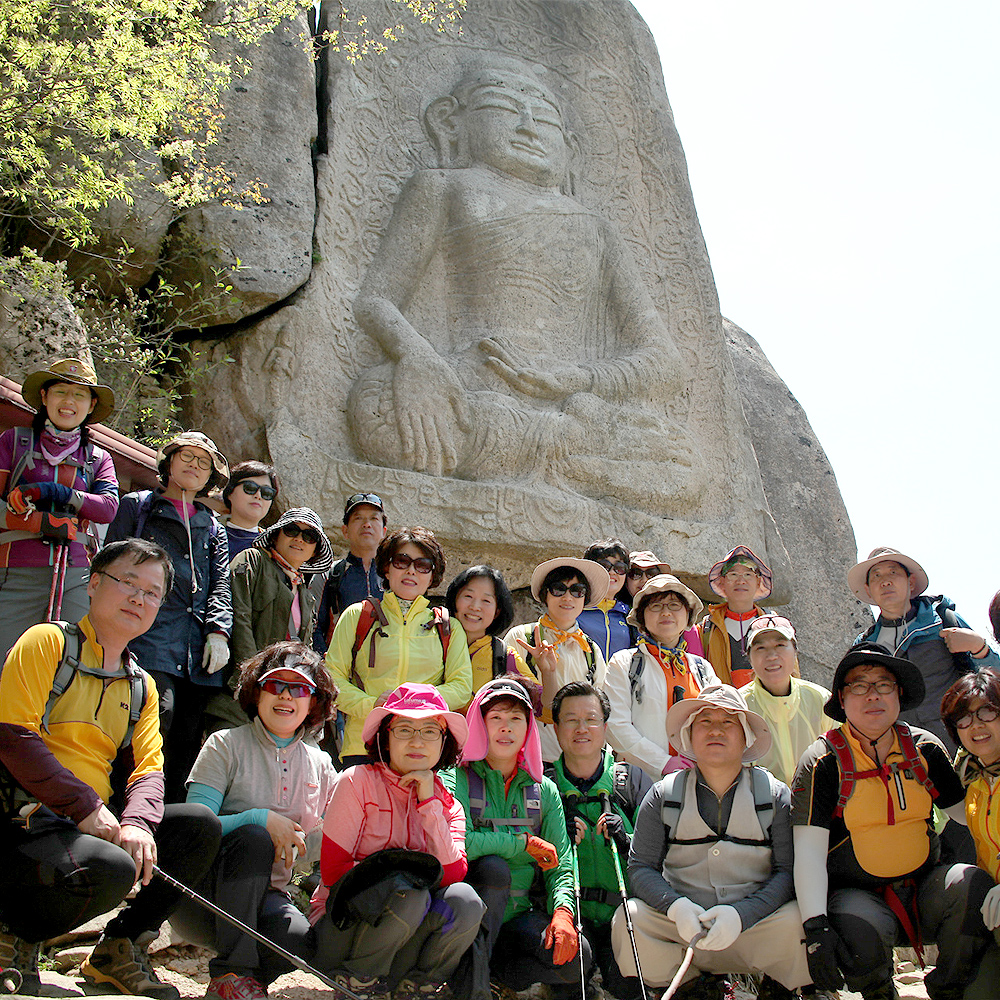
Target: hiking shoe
(19,960)
(123,966)
(233,987)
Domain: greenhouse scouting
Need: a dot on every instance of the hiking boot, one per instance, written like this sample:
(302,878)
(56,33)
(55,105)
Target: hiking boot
(19,959)
(233,987)
(123,966)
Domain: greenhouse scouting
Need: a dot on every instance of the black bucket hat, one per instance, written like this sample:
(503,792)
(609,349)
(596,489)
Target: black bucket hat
(868,654)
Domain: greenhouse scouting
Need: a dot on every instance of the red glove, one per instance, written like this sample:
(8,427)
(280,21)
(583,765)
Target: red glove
(561,937)
(542,853)
(20,500)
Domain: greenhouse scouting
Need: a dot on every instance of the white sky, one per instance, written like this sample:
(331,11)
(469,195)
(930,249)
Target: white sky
(845,163)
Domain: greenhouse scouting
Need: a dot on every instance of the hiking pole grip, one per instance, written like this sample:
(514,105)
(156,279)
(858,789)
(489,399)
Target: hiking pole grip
(606,807)
(287,955)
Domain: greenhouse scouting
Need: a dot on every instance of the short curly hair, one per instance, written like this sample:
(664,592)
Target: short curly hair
(423,538)
(983,683)
(291,655)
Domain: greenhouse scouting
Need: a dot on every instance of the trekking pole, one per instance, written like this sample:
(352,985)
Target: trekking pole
(606,807)
(229,918)
(579,918)
(59,563)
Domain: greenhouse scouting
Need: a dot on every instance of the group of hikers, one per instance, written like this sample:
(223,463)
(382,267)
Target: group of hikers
(631,793)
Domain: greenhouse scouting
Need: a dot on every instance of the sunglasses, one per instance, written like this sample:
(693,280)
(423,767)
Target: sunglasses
(637,572)
(422,564)
(295,688)
(371,498)
(985,713)
(251,489)
(576,589)
(308,534)
(613,567)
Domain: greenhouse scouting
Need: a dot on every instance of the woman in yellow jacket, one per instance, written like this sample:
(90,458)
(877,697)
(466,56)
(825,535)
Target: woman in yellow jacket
(377,645)
(793,708)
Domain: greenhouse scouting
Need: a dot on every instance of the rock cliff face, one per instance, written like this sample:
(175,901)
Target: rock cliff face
(484,294)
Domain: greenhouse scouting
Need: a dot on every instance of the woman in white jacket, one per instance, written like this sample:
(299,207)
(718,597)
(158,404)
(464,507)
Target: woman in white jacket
(643,682)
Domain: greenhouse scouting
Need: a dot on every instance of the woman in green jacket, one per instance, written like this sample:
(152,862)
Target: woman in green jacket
(514,822)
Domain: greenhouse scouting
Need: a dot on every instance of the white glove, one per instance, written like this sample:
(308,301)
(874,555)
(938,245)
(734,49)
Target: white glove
(724,925)
(216,653)
(684,913)
(991,908)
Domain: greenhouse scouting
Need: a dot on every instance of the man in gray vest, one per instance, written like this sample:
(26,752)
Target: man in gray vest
(711,860)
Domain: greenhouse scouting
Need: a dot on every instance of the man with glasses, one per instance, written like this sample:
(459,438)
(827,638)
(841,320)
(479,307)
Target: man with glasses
(77,713)
(600,799)
(868,874)
(740,579)
(605,621)
(353,578)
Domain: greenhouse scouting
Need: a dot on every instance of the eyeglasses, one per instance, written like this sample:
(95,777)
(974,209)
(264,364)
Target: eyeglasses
(671,604)
(193,458)
(636,572)
(422,564)
(428,734)
(613,567)
(308,534)
(251,489)
(295,688)
(742,574)
(591,722)
(373,498)
(985,713)
(862,688)
(151,597)
(576,589)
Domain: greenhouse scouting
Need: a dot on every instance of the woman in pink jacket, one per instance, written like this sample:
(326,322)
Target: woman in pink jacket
(406,912)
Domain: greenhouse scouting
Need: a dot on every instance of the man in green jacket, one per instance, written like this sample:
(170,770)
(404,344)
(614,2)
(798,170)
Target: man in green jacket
(515,822)
(600,799)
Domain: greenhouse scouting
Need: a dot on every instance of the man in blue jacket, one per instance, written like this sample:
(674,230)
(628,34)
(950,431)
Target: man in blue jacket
(918,627)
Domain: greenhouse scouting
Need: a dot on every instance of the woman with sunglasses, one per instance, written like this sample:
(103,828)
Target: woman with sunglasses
(270,787)
(248,496)
(555,648)
(605,622)
(394,814)
(272,597)
(187,645)
(970,711)
(642,567)
(377,645)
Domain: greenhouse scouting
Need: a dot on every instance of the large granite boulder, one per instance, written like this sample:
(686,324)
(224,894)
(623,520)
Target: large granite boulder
(803,495)
(512,332)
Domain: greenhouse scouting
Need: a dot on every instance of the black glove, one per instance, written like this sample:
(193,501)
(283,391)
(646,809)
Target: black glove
(615,825)
(822,946)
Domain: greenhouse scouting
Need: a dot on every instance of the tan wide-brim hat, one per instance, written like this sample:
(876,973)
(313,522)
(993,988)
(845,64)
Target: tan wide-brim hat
(857,576)
(647,560)
(76,372)
(595,574)
(717,696)
(662,584)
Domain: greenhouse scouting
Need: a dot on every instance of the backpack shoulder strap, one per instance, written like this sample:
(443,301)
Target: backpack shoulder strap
(442,622)
(635,669)
(912,760)
(621,786)
(533,806)
(672,802)
(591,660)
(371,612)
(763,799)
(501,657)
(137,697)
(66,671)
(837,742)
(24,447)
